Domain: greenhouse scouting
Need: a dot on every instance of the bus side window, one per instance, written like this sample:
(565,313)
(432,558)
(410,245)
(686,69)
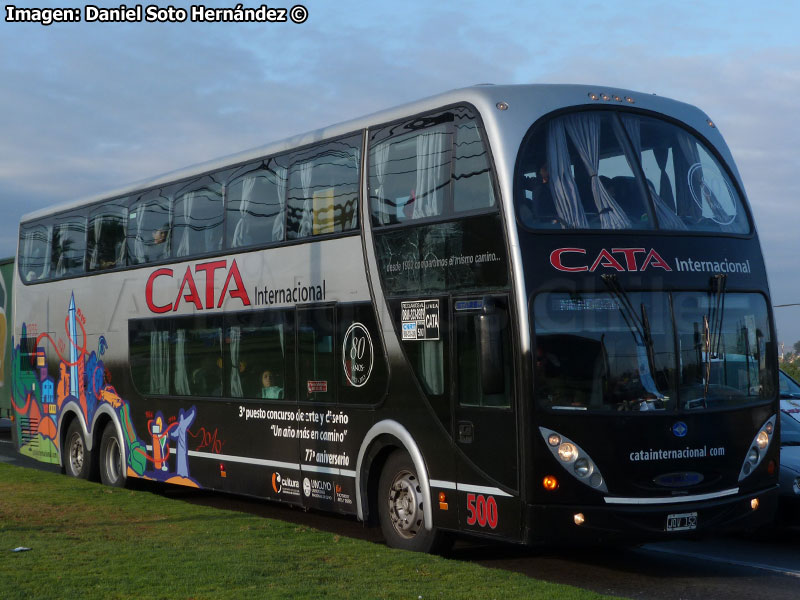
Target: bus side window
(68,246)
(259,355)
(255,204)
(316,354)
(197,222)
(106,243)
(34,256)
(472,181)
(149,229)
(322,196)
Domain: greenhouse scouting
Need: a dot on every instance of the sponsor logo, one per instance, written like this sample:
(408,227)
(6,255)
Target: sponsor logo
(307,487)
(342,497)
(285,485)
(315,488)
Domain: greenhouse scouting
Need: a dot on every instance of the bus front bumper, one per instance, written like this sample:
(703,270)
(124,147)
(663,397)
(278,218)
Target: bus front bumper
(645,523)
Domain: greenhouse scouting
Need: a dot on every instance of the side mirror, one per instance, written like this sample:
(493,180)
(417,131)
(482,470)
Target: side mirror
(489,327)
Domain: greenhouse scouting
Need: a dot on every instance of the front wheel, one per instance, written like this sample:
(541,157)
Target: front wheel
(111,458)
(76,457)
(400,508)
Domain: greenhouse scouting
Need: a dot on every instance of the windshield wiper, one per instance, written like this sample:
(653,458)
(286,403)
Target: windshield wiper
(640,330)
(713,330)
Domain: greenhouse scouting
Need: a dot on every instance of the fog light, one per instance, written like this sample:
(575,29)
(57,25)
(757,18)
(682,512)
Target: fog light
(579,518)
(754,503)
(550,483)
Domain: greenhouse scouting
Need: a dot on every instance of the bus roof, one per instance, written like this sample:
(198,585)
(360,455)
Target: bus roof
(536,100)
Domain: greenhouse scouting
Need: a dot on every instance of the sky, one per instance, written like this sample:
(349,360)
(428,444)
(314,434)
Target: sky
(88,107)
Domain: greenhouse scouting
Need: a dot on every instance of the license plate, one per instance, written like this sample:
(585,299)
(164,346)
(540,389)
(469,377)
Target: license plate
(682,521)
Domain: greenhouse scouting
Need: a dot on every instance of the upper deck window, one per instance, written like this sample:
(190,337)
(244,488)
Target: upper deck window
(609,170)
(432,166)
(33,252)
(68,246)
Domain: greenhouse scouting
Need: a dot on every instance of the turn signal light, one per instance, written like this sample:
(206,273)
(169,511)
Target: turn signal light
(443,501)
(550,483)
(771,467)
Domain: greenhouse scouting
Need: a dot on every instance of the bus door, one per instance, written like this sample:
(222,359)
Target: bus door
(485,416)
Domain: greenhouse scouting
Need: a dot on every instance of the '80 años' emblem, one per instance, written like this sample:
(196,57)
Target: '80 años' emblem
(357,355)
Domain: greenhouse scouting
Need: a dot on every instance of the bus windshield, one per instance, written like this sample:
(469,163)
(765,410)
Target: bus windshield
(617,170)
(651,351)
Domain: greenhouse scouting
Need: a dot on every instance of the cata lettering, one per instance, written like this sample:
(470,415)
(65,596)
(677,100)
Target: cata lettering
(188,292)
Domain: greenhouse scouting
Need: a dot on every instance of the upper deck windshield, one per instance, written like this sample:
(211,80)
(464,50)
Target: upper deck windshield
(652,351)
(617,170)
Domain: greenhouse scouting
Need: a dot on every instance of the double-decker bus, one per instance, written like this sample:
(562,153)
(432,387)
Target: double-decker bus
(527,312)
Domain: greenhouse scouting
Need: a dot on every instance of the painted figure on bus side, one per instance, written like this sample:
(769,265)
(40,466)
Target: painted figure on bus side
(185,420)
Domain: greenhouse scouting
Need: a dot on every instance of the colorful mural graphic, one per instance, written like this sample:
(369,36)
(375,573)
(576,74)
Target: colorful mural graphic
(83,384)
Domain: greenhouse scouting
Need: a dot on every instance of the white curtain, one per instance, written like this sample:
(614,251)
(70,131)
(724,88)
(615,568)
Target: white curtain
(159,362)
(428,201)
(280,218)
(184,242)
(564,189)
(241,234)
(236,381)
(307,218)
(380,160)
(97,226)
(667,219)
(138,241)
(181,375)
(353,224)
(584,130)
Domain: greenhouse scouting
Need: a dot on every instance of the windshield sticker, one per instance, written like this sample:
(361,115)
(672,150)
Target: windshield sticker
(420,320)
(708,187)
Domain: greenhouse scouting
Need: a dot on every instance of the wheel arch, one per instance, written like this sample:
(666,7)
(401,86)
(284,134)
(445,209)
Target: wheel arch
(378,443)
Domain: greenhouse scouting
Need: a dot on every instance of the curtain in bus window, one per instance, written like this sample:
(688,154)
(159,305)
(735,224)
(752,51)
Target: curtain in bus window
(306,217)
(472,182)
(565,191)
(241,234)
(159,362)
(379,160)
(428,195)
(106,248)
(181,374)
(235,334)
(183,229)
(584,131)
(667,218)
(280,219)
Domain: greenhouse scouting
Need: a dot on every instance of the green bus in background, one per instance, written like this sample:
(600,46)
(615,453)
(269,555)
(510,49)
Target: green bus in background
(6,319)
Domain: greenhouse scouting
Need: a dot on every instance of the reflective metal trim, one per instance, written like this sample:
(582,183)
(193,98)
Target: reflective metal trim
(672,499)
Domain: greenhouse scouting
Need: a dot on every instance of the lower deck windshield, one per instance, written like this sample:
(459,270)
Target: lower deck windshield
(651,351)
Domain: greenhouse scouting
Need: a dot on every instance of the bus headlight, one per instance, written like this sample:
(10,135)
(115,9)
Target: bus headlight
(574,459)
(758,447)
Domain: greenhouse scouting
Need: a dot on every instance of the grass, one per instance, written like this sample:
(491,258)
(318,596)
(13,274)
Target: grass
(91,541)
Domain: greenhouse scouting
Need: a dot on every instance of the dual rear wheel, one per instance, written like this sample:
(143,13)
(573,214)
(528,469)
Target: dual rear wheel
(78,459)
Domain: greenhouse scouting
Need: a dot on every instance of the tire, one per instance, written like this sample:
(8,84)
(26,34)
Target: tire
(75,455)
(400,508)
(112,463)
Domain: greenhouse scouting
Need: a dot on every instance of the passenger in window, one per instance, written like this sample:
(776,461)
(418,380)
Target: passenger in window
(542,208)
(268,387)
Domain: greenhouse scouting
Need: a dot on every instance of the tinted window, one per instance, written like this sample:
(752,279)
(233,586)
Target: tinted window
(316,354)
(106,239)
(260,355)
(197,222)
(613,170)
(198,357)
(255,204)
(34,255)
(149,232)
(432,166)
(323,189)
(68,246)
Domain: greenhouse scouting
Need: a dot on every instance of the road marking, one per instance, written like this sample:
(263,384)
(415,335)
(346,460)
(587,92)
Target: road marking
(730,561)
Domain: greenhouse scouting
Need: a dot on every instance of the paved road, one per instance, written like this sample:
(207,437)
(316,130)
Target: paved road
(723,568)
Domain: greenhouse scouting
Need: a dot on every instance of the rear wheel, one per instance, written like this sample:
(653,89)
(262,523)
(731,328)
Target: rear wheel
(112,470)
(401,506)
(76,457)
